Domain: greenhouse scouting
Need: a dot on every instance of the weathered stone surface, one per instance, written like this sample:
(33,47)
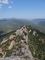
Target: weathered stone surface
(22,52)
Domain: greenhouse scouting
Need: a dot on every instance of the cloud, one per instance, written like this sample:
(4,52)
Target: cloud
(10,6)
(0,5)
(4,1)
(11,2)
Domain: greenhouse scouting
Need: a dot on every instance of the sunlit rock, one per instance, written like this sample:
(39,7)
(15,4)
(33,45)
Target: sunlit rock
(12,36)
(19,32)
(30,31)
(4,41)
(12,44)
(25,30)
(34,33)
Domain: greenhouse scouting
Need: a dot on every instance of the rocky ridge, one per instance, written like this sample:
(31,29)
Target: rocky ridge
(16,47)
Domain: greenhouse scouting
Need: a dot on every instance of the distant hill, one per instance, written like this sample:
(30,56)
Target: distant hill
(42,23)
(36,21)
(7,25)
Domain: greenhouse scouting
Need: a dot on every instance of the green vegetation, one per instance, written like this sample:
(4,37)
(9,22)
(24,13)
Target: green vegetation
(37,45)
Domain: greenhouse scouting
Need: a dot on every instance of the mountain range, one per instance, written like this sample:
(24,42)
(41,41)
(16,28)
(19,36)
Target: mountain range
(7,25)
(40,23)
(36,21)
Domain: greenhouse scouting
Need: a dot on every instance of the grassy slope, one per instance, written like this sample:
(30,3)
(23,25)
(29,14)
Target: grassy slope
(37,46)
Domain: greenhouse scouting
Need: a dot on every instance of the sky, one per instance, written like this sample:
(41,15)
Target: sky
(24,9)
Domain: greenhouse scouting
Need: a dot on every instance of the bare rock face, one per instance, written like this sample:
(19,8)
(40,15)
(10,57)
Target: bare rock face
(21,50)
(19,32)
(34,33)
(11,36)
(11,45)
(15,58)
